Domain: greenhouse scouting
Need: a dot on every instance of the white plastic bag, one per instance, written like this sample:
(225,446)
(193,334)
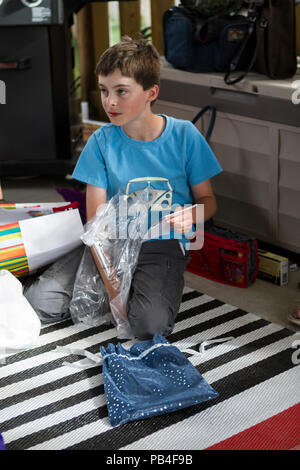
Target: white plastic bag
(19,324)
(116,236)
(89,303)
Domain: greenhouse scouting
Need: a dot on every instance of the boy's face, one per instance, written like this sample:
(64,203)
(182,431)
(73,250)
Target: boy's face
(123,99)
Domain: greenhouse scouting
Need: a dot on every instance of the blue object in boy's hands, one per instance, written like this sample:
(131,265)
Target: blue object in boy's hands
(151,378)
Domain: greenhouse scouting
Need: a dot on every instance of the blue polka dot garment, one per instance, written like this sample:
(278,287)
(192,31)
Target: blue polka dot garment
(151,378)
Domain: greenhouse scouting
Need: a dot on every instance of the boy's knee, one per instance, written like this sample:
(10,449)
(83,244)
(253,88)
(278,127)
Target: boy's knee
(148,322)
(49,300)
(50,294)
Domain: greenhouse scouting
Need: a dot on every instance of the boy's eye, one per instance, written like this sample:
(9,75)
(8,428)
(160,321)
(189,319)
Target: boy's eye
(122,92)
(103,90)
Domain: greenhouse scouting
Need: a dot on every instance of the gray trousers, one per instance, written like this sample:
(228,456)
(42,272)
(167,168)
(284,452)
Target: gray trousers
(50,293)
(156,288)
(155,293)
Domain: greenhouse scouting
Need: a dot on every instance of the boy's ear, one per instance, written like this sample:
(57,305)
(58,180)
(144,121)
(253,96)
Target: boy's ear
(153,93)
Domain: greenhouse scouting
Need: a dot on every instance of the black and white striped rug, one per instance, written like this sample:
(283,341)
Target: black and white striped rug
(47,405)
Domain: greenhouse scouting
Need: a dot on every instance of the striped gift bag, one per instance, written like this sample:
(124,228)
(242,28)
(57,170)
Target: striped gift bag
(12,250)
(30,244)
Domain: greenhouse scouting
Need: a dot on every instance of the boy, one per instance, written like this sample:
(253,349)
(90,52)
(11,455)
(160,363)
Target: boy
(139,146)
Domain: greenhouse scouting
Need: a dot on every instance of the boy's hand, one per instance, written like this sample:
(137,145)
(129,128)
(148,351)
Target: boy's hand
(182,222)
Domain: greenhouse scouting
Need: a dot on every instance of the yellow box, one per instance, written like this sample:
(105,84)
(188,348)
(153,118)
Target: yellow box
(273,268)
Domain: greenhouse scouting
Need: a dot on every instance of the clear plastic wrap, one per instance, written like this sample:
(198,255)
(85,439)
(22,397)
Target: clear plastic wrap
(115,236)
(90,303)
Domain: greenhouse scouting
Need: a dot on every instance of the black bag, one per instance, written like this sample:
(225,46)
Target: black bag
(208,8)
(229,43)
(276,35)
(217,44)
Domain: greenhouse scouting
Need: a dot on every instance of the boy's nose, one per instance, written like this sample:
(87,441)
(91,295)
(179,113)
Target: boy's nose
(111,100)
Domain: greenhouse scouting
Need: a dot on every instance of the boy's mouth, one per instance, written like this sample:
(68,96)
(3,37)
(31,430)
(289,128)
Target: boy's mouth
(113,115)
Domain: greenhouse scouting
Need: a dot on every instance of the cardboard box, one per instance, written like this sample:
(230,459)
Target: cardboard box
(273,268)
(89,127)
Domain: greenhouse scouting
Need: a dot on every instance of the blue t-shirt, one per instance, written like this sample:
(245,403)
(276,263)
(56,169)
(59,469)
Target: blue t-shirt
(178,159)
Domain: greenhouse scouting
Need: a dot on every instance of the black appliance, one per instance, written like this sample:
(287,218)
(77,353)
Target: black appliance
(36,73)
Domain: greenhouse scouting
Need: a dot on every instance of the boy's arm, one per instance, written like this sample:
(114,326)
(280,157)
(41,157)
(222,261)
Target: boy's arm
(95,197)
(203,194)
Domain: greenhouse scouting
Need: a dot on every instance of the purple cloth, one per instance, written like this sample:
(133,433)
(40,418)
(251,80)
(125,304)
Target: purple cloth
(72,195)
(2,446)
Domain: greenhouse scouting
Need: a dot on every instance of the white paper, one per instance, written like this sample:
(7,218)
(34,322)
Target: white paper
(162,228)
(51,236)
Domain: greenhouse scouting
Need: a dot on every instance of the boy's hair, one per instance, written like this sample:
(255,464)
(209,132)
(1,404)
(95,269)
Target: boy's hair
(135,58)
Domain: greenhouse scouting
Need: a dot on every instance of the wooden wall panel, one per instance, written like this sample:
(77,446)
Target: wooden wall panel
(85,50)
(100,27)
(157,10)
(130,18)
(298,27)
